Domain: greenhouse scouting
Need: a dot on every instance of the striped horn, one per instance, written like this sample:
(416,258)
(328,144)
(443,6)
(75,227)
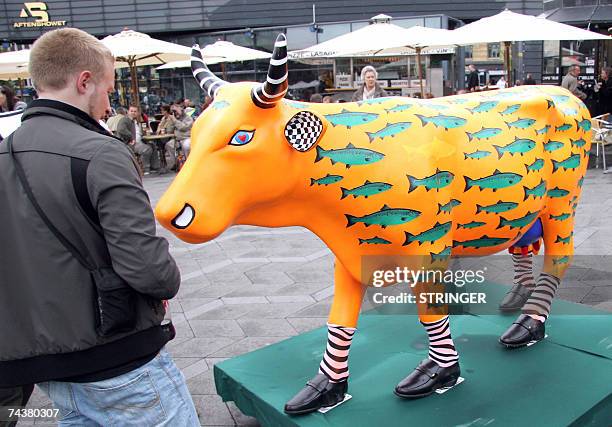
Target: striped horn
(274,89)
(205,78)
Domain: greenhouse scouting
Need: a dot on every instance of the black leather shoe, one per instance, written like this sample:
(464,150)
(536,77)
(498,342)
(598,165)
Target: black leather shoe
(516,298)
(318,393)
(523,331)
(427,378)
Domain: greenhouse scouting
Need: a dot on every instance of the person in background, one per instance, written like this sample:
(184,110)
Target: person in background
(8,100)
(166,127)
(370,88)
(182,127)
(603,92)
(473,83)
(130,132)
(56,332)
(113,121)
(529,80)
(316,97)
(571,82)
(327,99)
(501,83)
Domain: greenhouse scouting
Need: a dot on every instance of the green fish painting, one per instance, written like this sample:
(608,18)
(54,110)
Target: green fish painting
(374,101)
(495,181)
(498,207)
(551,146)
(437,107)
(374,241)
(561,217)
(400,108)
(510,110)
(219,105)
(559,99)
(482,242)
(563,127)
(544,130)
(470,225)
(477,154)
(443,255)
(390,130)
(446,122)
(518,222)
(350,155)
(561,260)
(557,192)
(438,180)
(366,190)
(433,234)
(578,142)
(350,118)
(584,124)
(580,182)
(564,240)
(484,107)
(521,123)
(326,180)
(572,162)
(519,146)
(448,207)
(385,217)
(484,133)
(298,105)
(537,191)
(537,165)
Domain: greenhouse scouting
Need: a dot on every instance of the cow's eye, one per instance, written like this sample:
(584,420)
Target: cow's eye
(242,137)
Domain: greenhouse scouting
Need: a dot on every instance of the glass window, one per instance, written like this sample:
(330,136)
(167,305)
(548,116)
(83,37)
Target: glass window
(552,4)
(333,30)
(300,38)
(264,40)
(433,22)
(551,57)
(572,3)
(407,23)
(245,39)
(469,51)
(358,25)
(493,50)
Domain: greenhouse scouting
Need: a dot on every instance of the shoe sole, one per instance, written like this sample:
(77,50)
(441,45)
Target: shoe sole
(450,383)
(513,346)
(308,411)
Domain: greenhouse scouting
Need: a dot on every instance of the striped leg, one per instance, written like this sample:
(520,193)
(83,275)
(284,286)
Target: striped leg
(523,270)
(335,360)
(538,304)
(441,347)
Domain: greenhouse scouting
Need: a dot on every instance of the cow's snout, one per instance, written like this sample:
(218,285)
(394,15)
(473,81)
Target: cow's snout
(184,217)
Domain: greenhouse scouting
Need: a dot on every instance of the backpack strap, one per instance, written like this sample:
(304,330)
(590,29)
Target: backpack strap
(78,170)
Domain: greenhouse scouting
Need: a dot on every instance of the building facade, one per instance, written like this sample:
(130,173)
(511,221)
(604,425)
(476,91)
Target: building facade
(255,23)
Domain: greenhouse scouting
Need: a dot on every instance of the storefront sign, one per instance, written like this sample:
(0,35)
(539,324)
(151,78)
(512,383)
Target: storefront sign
(38,16)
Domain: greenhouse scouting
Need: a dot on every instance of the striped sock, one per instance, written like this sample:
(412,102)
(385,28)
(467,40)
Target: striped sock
(335,359)
(441,347)
(523,270)
(538,304)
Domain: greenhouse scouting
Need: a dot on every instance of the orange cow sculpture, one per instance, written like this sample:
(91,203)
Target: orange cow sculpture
(461,175)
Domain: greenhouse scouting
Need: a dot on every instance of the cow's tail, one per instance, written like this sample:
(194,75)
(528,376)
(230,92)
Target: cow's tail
(412,181)
(469,183)
(423,119)
(320,152)
(345,192)
(500,151)
(351,220)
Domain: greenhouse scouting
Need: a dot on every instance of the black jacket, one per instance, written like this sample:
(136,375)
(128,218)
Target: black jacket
(47,313)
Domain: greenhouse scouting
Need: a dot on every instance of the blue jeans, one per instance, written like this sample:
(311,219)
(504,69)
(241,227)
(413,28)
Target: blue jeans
(153,395)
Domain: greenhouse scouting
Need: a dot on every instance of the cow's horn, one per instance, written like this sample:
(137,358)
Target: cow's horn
(205,78)
(274,89)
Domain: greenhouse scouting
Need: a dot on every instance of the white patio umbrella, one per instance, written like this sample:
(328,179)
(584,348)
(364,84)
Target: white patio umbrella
(507,27)
(14,64)
(9,72)
(380,39)
(220,52)
(131,49)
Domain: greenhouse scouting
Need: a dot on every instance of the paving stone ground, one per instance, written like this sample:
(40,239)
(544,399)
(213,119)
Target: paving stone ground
(253,286)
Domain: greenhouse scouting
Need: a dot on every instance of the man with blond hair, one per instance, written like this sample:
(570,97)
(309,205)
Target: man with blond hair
(83,274)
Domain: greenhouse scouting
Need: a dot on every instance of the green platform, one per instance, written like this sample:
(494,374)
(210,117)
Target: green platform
(565,380)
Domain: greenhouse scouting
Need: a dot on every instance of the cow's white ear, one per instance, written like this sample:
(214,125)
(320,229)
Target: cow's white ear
(304,130)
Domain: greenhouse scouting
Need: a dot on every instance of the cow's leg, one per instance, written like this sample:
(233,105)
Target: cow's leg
(522,259)
(329,386)
(441,368)
(558,251)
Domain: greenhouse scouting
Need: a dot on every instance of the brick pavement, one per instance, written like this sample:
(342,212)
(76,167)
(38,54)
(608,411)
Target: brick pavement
(253,286)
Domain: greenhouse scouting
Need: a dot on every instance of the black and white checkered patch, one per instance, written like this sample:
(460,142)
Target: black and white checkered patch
(303,130)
